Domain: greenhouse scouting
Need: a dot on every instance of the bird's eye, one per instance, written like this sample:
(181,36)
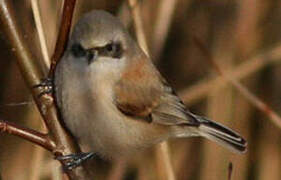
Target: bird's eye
(78,51)
(110,47)
(114,50)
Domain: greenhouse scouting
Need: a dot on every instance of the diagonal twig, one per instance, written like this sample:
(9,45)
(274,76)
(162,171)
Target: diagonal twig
(274,117)
(65,26)
(248,67)
(31,135)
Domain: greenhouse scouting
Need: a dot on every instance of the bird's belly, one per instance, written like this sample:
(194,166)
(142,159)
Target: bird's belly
(112,134)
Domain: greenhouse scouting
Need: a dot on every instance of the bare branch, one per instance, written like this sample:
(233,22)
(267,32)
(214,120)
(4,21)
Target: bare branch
(65,26)
(30,135)
(32,73)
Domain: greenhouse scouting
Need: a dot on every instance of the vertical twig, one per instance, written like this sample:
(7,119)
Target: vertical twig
(118,170)
(164,164)
(38,154)
(163,20)
(40,29)
(135,10)
(230,169)
(37,161)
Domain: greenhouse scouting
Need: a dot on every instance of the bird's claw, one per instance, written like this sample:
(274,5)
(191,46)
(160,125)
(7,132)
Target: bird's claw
(46,87)
(72,161)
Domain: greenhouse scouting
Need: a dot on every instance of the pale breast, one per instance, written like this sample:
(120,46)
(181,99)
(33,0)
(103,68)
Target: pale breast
(112,133)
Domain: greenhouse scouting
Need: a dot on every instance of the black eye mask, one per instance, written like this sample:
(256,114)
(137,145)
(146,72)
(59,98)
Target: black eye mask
(78,51)
(112,49)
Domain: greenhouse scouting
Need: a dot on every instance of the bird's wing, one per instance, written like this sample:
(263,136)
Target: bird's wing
(143,93)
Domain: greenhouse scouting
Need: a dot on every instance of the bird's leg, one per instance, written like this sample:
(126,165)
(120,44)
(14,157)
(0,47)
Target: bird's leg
(46,85)
(72,161)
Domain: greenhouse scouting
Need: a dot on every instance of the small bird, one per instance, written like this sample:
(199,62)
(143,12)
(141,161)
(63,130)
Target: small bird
(113,99)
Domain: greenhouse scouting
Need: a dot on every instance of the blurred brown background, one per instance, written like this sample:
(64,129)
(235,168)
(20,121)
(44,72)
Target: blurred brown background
(240,35)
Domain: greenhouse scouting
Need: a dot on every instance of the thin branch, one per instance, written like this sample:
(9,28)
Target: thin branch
(30,135)
(274,117)
(163,157)
(32,73)
(248,67)
(65,26)
(40,29)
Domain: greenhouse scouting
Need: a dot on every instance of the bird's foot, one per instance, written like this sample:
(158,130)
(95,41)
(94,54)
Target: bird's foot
(72,161)
(46,87)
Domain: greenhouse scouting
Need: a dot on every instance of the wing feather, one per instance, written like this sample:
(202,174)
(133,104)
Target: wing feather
(143,93)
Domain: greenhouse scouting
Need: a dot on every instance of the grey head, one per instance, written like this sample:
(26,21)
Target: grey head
(100,44)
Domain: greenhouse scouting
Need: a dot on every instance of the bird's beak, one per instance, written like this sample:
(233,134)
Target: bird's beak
(92,55)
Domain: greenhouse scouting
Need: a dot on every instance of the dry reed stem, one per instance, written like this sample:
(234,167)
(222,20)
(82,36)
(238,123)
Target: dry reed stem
(247,39)
(162,151)
(274,117)
(269,163)
(39,153)
(56,171)
(163,20)
(219,109)
(135,10)
(164,164)
(51,170)
(230,170)
(118,169)
(250,66)
(40,30)
(37,161)
(50,12)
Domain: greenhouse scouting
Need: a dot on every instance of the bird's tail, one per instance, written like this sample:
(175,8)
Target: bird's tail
(221,134)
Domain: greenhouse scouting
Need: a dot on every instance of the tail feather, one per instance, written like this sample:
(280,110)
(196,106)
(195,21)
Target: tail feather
(222,135)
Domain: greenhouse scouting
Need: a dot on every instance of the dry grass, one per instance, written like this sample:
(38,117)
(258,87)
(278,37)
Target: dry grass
(233,78)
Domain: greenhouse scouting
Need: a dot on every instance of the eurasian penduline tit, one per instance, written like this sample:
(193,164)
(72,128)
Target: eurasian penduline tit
(113,99)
